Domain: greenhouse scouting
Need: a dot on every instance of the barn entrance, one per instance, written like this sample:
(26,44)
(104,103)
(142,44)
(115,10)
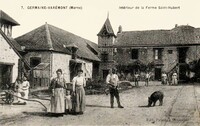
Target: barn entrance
(182,64)
(5,75)
(105,73)
(158,74)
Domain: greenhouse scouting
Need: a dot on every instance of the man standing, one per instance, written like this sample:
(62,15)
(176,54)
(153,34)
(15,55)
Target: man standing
(147,77)
(112,81)
(136,79)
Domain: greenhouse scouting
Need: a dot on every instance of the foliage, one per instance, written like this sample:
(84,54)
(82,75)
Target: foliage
(194,66)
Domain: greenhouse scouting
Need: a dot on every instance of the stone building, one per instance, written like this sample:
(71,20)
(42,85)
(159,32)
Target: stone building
(11,61)
(156,51)
(106,38)
(48,48)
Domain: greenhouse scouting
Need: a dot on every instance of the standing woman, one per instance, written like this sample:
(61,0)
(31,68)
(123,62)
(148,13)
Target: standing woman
(58,86)
(25,88)
(174,78)
(79,92)
(18,88)
(164,78)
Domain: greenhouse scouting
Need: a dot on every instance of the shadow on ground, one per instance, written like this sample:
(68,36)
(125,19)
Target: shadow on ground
(100,106)
(144,106)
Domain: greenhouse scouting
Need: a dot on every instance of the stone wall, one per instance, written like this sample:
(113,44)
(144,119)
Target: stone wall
(61,61)
(169,58)
(8,56)
(193,53)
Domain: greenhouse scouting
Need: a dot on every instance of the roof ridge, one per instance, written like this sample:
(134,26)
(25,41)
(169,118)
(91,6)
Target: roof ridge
(71,33)
(147,30)
(13,47)
(48,37)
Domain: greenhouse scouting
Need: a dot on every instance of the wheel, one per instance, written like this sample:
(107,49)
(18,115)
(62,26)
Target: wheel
(9,98)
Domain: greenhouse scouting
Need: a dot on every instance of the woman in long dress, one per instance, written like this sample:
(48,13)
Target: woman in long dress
(174,78)
(18,87)
(25,87)
(58,86)
(78,91)
(164,78)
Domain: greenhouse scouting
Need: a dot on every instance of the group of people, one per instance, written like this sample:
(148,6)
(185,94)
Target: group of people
(62,101)
(22,89)
(65,101)
(165,79)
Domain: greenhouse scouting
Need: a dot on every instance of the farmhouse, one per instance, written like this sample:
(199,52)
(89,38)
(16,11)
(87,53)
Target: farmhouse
(11,62)
(48,48)
(156,51)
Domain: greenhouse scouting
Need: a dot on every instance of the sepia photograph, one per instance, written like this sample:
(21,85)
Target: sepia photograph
(99,62)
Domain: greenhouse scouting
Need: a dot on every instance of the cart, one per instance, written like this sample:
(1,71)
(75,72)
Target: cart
(6,94)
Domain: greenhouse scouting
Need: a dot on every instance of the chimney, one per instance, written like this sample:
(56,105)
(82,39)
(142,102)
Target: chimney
(23,48)
(176,25)
(120,29)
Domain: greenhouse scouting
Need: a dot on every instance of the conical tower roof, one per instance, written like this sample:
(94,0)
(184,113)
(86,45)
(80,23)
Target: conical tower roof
(107,29)
(5,18)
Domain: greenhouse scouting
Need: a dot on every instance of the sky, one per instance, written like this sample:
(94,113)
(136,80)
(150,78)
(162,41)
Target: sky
(91,15)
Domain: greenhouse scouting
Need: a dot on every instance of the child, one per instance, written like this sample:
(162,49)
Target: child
(68,102)
(18,88)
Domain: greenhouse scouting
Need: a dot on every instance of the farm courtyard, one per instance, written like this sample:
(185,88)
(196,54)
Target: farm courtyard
(181,107)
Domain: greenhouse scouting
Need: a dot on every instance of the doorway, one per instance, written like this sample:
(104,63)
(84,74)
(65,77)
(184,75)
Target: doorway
(5,75)
(105,73)
(74,67)
(182,52)
(158,74)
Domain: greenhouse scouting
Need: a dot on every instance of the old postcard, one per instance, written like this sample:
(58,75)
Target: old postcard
(99,62)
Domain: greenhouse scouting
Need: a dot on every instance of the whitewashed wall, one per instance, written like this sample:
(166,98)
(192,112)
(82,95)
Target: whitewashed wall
(61,61)
(8,56)
(87,68)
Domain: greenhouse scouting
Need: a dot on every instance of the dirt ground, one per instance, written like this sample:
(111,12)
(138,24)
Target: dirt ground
(180,108)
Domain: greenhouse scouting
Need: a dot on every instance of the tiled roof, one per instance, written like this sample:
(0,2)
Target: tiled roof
(5,18)
(181,35)
(48,37)
(15,46)
(106,29)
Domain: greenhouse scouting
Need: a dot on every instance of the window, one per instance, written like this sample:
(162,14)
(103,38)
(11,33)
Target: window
(104,57)
(170,51)
(158,54)
(134,53)
(34,61)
